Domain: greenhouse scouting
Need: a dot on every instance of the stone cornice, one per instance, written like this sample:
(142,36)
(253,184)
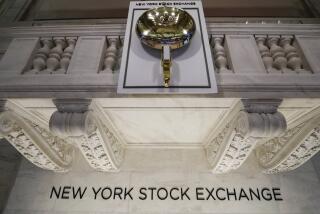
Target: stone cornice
(118,29)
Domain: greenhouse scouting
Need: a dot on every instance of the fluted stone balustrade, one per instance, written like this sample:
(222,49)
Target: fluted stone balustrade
(35,143)
(236,140)
(293,58)
(219,53)
(53,56)
(111,55)
(265,52)
(67,54)
(41,56)
(279,54)
(99,144)
(248,61)
(120,52)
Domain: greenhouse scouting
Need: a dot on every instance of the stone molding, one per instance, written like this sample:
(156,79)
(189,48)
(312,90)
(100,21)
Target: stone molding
(34,142)
(115,29)
(76,122)
(234,143)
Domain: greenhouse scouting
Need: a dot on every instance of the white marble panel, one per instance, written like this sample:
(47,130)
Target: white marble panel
(167,168)
(18,56)
(310,46)
(244,54)
(165,125)
(87,55)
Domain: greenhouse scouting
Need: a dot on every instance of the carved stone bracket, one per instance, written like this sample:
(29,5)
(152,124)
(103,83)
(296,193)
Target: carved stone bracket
(231,147)
(98,144)
(34,142)
(292,149)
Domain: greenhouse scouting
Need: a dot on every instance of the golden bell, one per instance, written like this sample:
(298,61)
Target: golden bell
(166,29)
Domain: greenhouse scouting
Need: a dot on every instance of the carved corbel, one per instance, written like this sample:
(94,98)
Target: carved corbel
(230,148)
(34,142)
(76,122)
(289,151)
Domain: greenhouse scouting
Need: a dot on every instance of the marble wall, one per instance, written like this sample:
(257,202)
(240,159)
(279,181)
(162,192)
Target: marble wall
(167,168)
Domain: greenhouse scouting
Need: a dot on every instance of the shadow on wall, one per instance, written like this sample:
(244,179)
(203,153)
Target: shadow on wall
(316,163)
(9,164)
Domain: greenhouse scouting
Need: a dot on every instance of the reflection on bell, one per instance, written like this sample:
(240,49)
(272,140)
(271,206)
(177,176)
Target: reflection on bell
(166,64)
(166,29)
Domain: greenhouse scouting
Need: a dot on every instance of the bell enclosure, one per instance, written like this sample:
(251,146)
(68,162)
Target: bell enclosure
(58,83)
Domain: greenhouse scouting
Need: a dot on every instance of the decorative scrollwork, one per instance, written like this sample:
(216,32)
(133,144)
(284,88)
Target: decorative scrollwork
(98,144)
(101,148)
(231,147)
(35,143)
(291,150)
